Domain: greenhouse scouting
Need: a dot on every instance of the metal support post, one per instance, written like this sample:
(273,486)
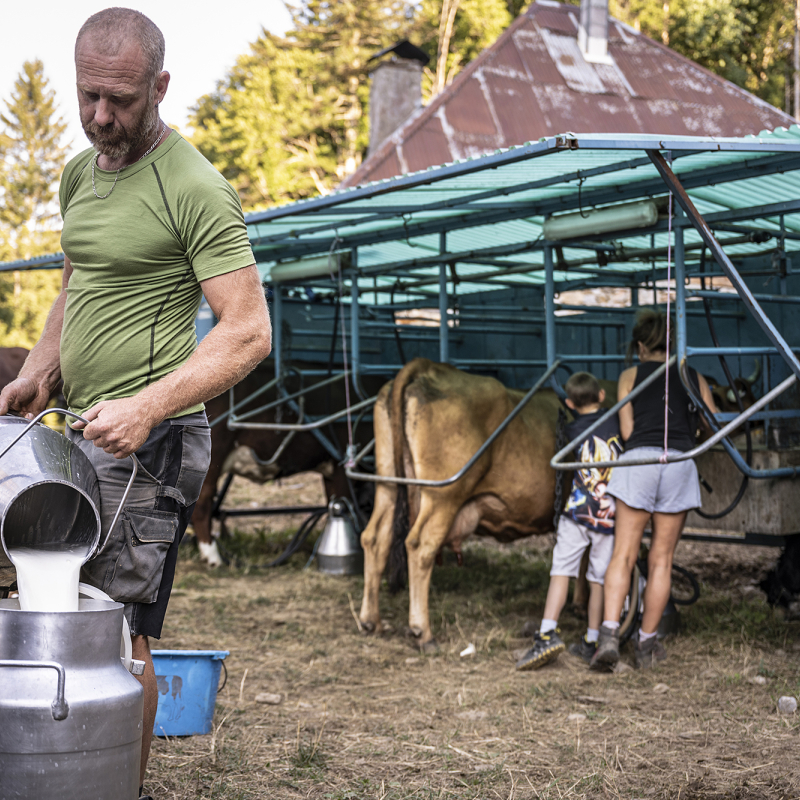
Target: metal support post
(675,186)
(549,307)
(277,328)
(355,343)
(680,291)
(444,348)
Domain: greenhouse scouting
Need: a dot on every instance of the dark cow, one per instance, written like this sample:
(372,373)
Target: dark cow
(246,451)
(782,584)
(725,396)
(428,423)
(11,361)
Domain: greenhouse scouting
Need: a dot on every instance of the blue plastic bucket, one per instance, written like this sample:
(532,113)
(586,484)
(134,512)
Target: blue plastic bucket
(187,690)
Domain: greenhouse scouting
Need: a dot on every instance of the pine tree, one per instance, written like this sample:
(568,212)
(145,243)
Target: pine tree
(31,161)
(290,120)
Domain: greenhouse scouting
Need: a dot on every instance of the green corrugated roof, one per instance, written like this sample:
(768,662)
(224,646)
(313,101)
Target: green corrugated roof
(500,202)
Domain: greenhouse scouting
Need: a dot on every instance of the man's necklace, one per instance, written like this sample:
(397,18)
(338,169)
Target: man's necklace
(94,163)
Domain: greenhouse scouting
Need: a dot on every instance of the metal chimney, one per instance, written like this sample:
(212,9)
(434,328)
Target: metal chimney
(593,31)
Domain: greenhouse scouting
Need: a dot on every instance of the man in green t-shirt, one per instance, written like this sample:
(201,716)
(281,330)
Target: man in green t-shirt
(149,227)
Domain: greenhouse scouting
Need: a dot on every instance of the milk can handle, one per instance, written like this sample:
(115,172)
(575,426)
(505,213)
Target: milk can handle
(72,414)
(59,707)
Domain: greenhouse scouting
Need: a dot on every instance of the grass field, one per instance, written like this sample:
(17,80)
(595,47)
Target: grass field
(370,717)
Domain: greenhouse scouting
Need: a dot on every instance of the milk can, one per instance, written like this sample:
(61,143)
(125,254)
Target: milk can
(70,713)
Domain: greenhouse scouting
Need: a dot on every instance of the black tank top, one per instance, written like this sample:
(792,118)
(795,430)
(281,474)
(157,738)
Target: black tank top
(648,411)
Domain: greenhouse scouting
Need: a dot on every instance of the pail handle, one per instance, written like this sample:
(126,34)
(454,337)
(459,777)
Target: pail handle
(67,413)
(59,707)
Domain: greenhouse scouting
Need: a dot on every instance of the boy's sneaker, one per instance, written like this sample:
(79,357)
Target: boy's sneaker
(583,649)
(607,653)
(649,652)
(546,648)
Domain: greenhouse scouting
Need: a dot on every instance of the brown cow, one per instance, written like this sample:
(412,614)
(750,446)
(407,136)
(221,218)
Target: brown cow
(11,361)
(428,423)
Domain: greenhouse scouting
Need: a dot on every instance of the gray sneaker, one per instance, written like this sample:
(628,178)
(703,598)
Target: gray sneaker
(583,649)
(546,648)
(607,653)
(648,653)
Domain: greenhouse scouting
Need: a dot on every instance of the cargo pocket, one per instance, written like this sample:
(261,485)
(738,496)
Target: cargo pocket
(137,573)
(195,461)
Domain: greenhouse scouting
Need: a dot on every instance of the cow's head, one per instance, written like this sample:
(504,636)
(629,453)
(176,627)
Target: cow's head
(725,396)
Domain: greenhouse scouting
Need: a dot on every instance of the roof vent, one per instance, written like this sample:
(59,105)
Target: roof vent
(593,31)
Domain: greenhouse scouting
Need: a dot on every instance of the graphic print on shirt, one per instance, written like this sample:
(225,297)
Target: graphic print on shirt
(589,504)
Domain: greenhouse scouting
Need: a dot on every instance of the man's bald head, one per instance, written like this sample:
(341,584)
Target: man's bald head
(114,28)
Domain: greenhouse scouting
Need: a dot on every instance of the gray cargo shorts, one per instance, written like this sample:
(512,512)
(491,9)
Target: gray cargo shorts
(664,488)
(135,565)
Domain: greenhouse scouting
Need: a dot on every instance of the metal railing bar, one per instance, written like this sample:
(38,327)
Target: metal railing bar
(266,387)
(365,452)
(635,392)
(294,396)
(775,413)
(764,298)
(766,350)
(718,436)
(293,426)
(364,476)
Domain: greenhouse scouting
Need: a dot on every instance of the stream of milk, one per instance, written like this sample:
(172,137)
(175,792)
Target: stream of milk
(48,579)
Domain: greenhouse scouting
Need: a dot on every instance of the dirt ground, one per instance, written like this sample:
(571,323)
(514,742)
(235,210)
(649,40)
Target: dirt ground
(369,717)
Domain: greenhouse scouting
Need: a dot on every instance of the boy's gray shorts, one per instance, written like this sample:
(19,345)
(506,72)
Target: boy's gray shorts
(572,539)
(136,563)
(665,488)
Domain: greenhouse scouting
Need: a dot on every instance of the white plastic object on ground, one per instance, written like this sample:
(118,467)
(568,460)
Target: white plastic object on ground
(469,650)
(787,705)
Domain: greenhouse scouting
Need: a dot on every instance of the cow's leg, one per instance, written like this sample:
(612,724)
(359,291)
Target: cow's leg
(201,518)
(425,538)
(376,541)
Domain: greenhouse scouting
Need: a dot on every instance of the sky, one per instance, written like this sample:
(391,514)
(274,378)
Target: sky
(203,40)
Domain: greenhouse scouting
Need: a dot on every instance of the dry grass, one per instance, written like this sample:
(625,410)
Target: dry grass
(369,717)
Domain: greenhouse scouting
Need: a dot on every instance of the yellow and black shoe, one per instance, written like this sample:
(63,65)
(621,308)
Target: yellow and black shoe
(546,648)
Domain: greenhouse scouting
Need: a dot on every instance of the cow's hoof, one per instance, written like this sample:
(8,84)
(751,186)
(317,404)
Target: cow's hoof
(209,552)
(367,627)
(429,648)
(413,632)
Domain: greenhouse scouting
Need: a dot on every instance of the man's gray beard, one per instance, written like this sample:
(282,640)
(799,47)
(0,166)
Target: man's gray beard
(121,142)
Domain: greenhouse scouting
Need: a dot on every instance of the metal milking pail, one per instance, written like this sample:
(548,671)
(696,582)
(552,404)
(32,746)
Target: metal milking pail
(70,712)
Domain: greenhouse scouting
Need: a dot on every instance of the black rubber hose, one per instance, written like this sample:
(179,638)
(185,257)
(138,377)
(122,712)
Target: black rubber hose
(294,545)
(729,377)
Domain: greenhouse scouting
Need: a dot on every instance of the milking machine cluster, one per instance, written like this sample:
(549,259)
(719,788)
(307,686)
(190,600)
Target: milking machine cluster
(71,711)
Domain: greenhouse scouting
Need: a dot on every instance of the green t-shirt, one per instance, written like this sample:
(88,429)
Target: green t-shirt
(138,258)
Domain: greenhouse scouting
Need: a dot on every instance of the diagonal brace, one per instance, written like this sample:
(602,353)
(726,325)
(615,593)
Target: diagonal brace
(675,186)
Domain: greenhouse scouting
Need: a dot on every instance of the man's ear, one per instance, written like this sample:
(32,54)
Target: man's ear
(602,396)
(570,404)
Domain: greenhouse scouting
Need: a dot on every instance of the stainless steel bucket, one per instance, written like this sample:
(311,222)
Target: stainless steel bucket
(48,490)
(71,713)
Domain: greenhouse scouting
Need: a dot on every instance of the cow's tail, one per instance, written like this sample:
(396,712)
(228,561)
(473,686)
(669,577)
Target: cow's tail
(398,562)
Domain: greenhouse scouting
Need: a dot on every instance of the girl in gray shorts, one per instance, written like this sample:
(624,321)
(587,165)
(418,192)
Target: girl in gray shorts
(665,492)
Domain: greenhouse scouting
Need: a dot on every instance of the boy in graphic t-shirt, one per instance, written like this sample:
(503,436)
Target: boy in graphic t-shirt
(587,521)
